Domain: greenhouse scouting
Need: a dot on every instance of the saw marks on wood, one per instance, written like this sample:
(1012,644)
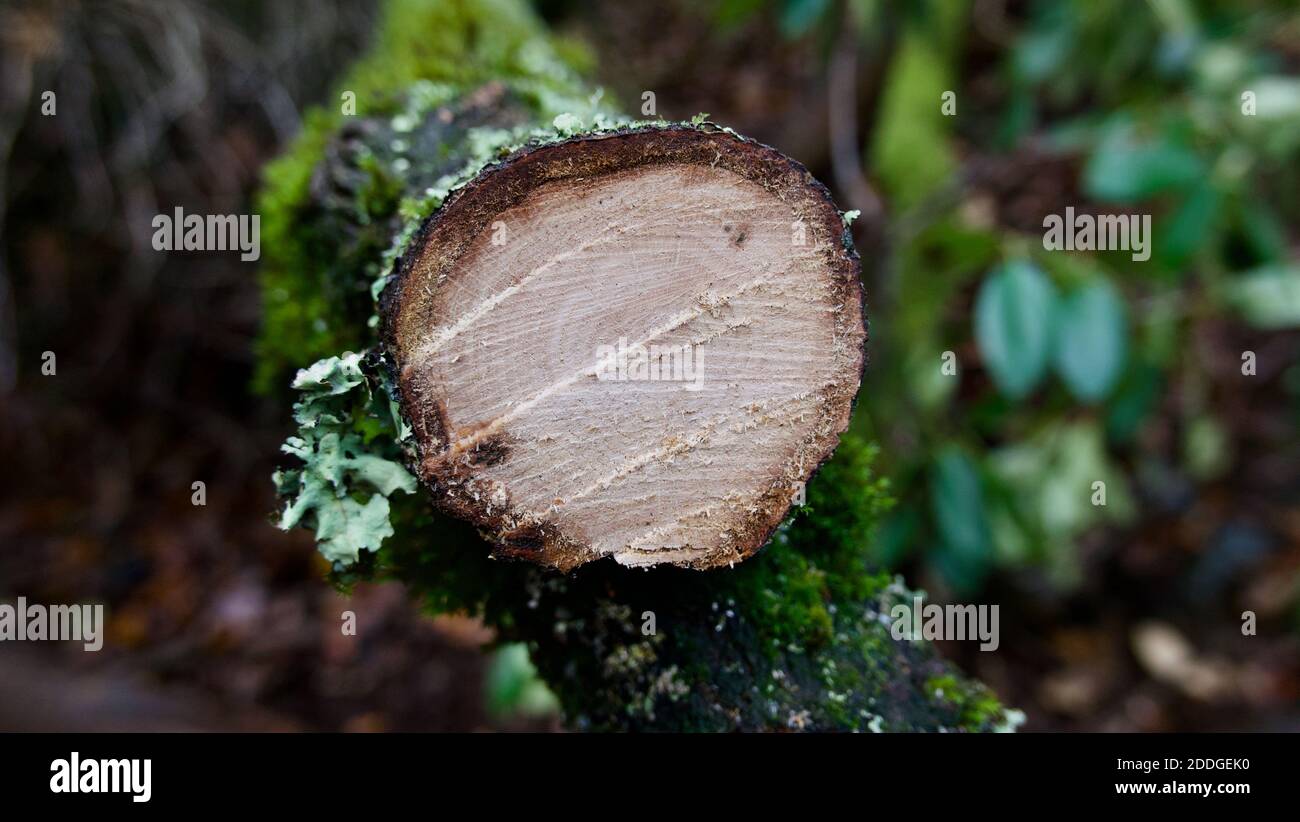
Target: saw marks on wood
(641,363)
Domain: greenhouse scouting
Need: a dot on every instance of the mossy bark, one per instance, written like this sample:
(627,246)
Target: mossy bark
(794,638)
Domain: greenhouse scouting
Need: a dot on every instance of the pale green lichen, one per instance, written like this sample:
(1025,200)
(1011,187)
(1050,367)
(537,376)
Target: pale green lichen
(341,464)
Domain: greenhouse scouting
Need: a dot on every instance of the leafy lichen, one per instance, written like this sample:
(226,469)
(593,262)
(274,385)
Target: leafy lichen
(347,444)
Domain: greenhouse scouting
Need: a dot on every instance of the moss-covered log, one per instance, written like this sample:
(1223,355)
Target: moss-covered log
(793,638)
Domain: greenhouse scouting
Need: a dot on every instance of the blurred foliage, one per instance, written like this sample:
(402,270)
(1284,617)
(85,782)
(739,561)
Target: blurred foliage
(1185,110)
(514,688)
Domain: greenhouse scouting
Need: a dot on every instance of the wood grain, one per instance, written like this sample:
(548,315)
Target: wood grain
(694,247)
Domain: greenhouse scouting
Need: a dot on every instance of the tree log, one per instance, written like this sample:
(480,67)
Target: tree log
(692,242)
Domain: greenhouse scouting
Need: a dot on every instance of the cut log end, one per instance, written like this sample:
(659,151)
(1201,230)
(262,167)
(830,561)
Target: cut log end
(636,344)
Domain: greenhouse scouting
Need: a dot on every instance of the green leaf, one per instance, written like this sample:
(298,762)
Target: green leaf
(1124,169)
(1040,51)
(1049,482)
(1267,297)
(513,688)
(1262,231)
(911,150)
(1191,227)
(1091,340)
(957,503)
(1138,394)
(1076,458)
(1013,323)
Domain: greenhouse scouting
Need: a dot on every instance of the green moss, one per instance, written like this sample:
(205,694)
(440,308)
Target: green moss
(977,708)
(291,335)
(819,556)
